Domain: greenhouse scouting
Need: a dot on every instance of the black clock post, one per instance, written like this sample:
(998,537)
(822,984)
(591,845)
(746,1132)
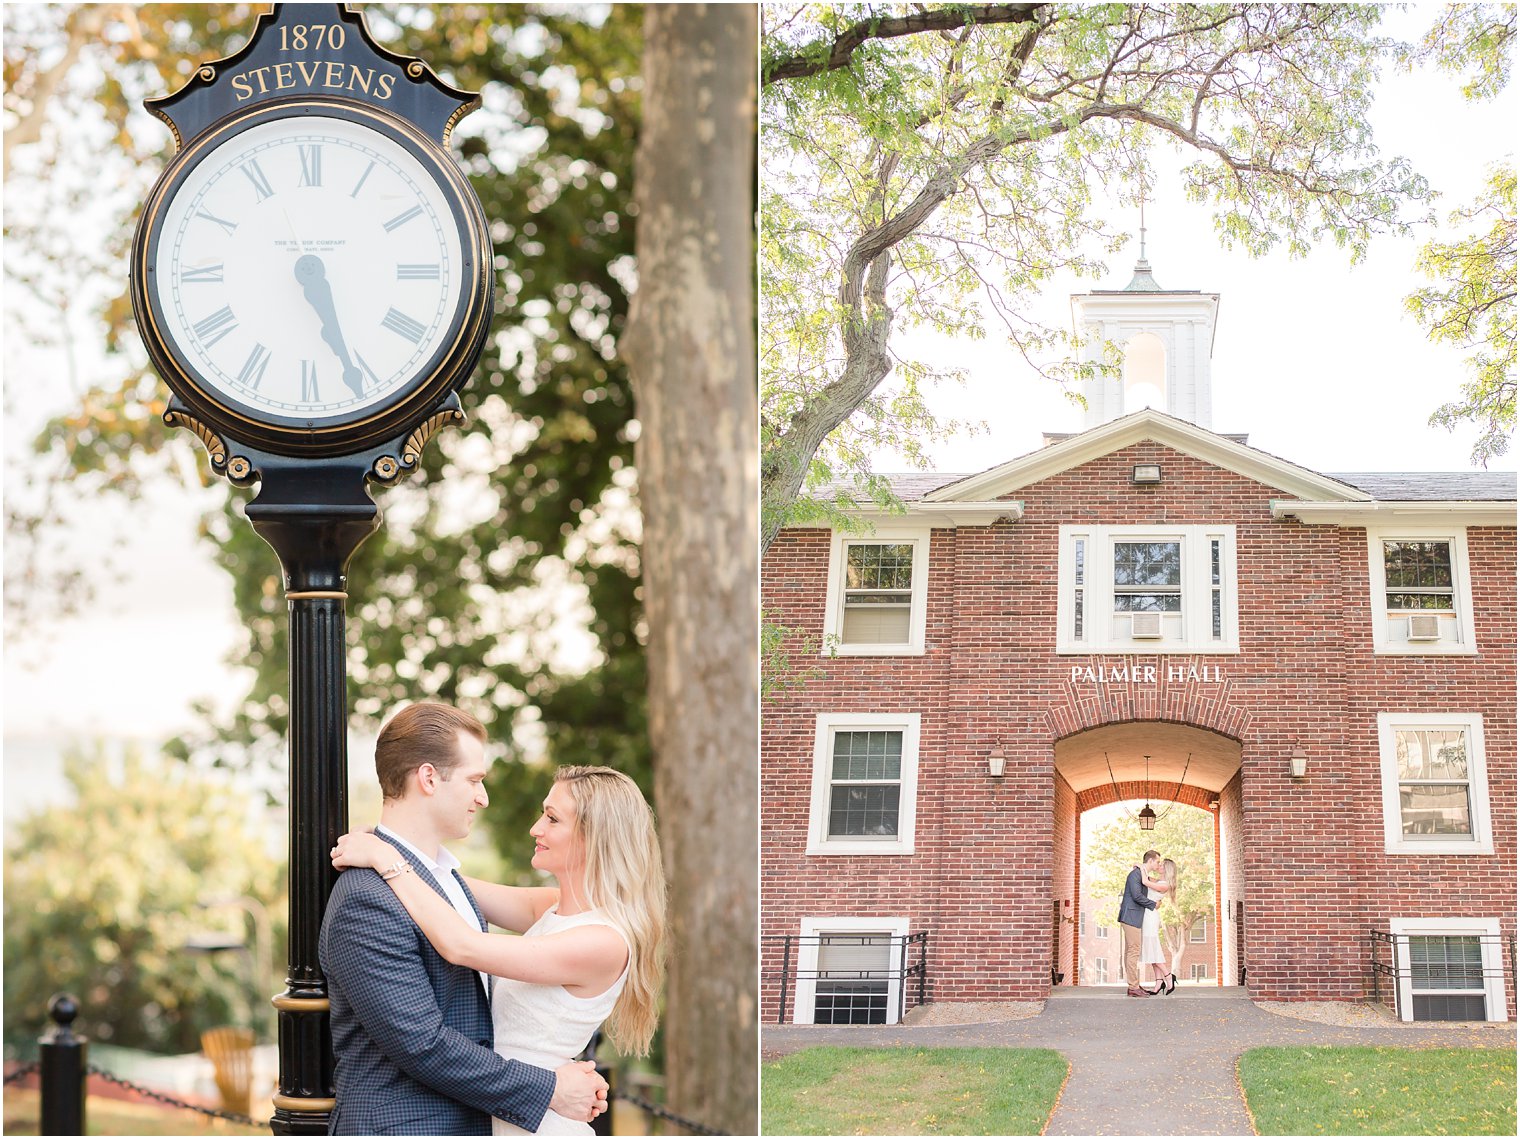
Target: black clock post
(263,292)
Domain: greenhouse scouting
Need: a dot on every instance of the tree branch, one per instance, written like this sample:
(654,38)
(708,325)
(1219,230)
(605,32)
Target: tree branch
(808,60)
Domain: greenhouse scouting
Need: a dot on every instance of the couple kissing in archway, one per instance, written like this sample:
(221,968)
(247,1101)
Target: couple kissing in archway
(1147,886)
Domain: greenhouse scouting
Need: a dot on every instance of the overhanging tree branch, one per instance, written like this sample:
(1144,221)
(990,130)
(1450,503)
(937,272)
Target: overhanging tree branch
(814,58)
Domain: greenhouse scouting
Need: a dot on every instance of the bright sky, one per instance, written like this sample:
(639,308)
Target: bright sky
(1314,359)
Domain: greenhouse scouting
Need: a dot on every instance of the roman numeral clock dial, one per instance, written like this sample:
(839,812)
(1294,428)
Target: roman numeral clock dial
(308,271)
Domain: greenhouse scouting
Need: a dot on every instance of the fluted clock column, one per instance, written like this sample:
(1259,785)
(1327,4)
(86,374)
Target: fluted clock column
(315,540)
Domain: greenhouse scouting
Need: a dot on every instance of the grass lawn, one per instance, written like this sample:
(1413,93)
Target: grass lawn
(118,1117)
(911,1091)
(1380,1091)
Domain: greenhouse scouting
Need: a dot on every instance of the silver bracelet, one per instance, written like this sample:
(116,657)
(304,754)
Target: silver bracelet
(402,867)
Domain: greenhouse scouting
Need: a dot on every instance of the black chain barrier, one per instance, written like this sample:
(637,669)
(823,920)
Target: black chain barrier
(26,1070)
(214,1113)
(23,1072)
(655,1109)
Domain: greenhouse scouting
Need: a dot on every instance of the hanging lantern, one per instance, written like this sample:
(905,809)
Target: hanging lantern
(1147,817)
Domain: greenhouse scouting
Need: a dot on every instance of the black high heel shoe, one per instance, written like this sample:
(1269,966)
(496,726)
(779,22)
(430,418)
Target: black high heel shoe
(1171,983)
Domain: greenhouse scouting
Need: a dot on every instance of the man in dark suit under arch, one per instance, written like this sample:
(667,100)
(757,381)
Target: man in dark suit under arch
(1132,906)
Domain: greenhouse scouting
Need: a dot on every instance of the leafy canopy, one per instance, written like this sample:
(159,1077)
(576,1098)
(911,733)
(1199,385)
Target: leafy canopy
(1472,303)
(918,160)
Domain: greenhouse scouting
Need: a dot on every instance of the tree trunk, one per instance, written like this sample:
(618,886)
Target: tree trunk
(690,346)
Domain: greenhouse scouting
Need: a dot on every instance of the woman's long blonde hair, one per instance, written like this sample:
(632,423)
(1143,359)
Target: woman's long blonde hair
(1169,876)
(624,878)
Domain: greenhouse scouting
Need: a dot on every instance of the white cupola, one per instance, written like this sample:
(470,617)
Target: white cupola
(1166,341)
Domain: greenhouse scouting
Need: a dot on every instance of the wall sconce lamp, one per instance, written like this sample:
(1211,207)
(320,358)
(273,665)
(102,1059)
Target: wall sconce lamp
(1298,763)
(1213,804)
(1145,474)
(996,761)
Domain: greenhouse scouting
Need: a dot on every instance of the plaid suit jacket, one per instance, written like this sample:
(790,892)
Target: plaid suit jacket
(411,1033)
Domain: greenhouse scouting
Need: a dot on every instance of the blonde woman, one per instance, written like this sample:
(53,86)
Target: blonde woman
(1158,888)
(591,950)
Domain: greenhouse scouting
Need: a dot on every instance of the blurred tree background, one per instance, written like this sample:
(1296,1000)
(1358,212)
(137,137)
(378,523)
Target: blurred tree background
(506,578)
(1183,834)
(102,899)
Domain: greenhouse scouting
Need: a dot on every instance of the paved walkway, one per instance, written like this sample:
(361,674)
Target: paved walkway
(1162,1066)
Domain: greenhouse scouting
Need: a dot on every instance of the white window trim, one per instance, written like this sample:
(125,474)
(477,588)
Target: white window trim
(1493,965)
(1100,971)
(1394,842)
(807,959)
(1466,643)
(1199,971)
(819,841)
(1200,924)
(1196,590)
(833,609)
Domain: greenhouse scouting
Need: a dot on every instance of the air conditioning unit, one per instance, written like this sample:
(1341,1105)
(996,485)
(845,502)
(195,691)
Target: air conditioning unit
(1424,627)
(1145,626)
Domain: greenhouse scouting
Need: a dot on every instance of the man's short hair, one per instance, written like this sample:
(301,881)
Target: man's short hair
(418,734)
(1150,854)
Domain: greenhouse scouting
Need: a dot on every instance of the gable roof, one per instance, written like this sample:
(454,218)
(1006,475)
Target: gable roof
(1156,426)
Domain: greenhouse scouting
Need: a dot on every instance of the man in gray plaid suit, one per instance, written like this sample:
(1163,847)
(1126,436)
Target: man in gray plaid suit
(412,1034)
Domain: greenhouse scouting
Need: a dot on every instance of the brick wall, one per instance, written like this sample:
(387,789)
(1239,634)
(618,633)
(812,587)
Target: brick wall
(992,855)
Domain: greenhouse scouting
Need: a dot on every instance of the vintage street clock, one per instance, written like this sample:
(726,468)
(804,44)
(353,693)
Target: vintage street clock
(312,273)
(312,277)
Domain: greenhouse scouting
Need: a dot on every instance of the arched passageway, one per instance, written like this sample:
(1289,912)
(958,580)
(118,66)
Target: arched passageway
(1106,764)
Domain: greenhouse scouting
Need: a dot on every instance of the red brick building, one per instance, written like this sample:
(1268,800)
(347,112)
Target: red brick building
(1332,656)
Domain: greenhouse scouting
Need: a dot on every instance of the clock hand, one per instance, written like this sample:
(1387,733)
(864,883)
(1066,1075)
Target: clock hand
(301,244)
(312,275)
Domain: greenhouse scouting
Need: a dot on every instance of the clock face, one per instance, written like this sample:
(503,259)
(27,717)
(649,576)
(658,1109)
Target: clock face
(309,268)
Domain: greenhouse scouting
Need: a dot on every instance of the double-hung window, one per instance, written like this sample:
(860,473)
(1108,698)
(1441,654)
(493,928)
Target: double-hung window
(1420,597)
(877,587)
(865,781)
(1435,784)
(1147,589)
(1199,931)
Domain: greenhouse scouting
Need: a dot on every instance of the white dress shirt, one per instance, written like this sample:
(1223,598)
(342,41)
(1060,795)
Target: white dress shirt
(442,869)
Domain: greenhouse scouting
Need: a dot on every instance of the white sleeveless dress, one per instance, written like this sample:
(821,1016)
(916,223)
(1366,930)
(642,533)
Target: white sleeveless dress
(1151,952)
(544,1025)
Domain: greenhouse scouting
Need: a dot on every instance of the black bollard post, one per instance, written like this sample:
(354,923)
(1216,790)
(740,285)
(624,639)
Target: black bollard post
(602,1124)
(61,1069)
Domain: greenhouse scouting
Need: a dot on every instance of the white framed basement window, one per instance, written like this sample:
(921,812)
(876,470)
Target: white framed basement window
(1435,783)
(878,592)
(1449,968)
(847,970)
(1421,591)
(1147,589)
(865,783)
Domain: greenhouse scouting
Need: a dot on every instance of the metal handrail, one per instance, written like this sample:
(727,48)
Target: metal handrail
(1380,968)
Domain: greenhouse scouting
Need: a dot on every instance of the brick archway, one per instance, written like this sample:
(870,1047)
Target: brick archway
(1196,760)
(1126,789)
